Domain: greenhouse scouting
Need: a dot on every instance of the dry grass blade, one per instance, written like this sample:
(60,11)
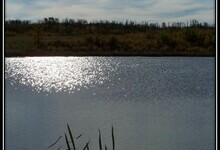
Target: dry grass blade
(100,141)
(79,136)
(86,146)
(71,137)
(67,143)
(113,139)
(55,142)
(59,148)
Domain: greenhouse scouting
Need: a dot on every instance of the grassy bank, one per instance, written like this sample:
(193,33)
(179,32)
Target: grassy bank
(107,39)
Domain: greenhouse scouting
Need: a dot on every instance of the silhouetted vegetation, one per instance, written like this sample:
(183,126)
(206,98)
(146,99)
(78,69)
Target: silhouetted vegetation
(70,144)
(80,37)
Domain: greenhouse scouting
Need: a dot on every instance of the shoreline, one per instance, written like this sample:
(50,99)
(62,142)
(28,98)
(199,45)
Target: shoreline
(98,53)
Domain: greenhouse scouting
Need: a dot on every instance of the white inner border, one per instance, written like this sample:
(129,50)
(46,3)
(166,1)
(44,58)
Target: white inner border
(216,75)
(3,74)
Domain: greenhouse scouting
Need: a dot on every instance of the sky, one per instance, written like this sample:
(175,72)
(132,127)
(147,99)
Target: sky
(118,10)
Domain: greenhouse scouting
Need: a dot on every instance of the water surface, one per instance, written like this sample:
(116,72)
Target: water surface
(154,103)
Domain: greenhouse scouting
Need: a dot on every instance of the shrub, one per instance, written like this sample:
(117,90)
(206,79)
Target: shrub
(167,39)
(90,42)
(99,42)
(113,43)
(8,33)
(191,36)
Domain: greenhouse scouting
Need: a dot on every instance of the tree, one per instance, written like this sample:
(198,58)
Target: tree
(38,33)
(164,25)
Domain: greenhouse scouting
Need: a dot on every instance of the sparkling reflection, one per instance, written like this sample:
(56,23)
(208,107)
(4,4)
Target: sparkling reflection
(58,73)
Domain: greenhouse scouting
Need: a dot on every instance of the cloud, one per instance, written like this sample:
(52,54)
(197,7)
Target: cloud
(139,10)
(186,10)
(13,10)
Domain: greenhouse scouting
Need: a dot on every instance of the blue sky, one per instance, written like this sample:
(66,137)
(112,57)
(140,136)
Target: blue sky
(137,10)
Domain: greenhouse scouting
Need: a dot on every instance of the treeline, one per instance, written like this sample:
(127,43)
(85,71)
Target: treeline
(51,34)
(80,25)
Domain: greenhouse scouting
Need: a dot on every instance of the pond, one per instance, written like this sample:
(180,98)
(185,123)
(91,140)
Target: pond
(153,103)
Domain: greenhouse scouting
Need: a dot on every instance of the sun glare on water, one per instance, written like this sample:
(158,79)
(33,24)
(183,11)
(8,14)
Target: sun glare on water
(57,73)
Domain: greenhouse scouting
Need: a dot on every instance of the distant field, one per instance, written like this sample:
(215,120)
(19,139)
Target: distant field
(46,39)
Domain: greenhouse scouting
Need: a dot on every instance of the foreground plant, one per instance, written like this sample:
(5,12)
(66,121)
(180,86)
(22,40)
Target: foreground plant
(86,146)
